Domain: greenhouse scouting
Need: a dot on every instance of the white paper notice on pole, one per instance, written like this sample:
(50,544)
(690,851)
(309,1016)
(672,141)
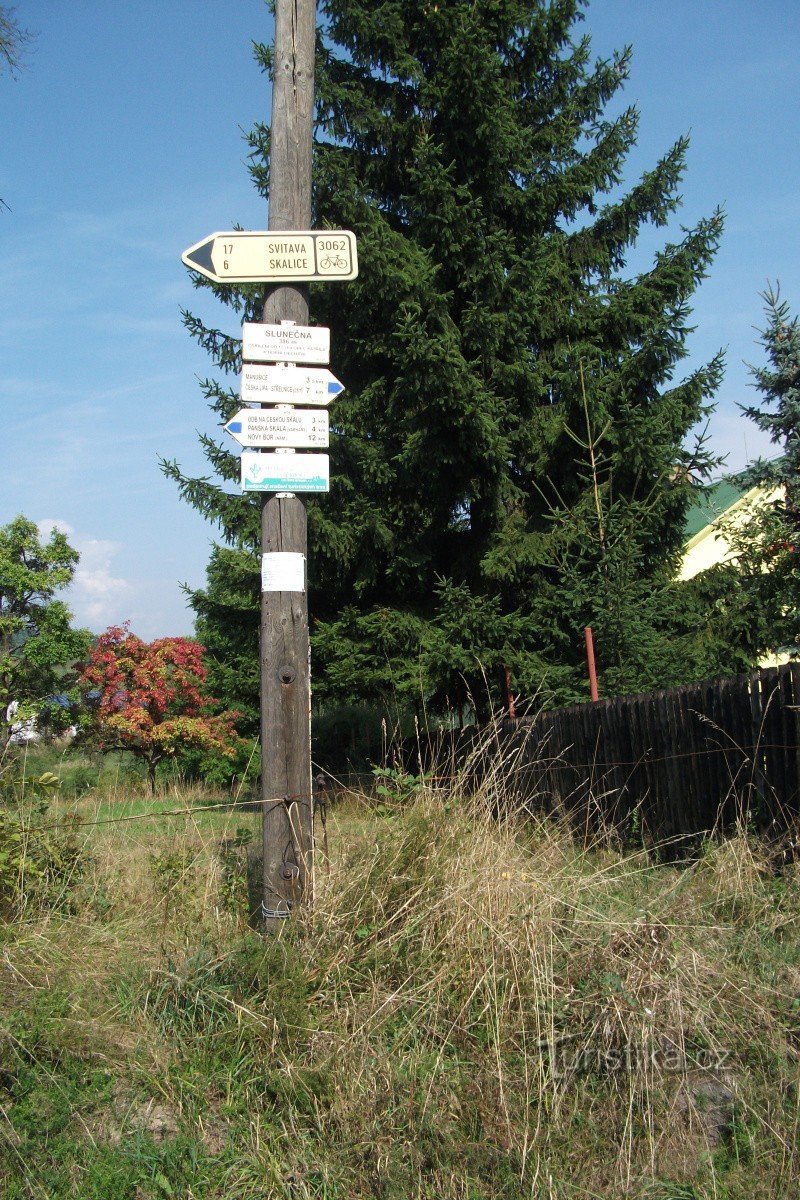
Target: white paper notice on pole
(283,571)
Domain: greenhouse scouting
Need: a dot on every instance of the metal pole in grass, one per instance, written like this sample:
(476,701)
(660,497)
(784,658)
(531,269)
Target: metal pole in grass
(589,637)
(284,654)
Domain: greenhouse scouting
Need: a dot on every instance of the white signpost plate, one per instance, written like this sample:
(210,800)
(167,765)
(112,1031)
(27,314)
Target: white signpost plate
(247,256)
(285,343)
(288,385)
(284,472)
(279,427)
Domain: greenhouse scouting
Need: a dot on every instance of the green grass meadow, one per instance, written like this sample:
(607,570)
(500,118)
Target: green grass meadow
(474,1008)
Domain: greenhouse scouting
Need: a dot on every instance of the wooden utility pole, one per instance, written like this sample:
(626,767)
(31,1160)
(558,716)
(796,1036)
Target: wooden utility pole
(285,683)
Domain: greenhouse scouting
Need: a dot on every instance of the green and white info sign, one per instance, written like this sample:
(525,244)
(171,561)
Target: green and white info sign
(284,472)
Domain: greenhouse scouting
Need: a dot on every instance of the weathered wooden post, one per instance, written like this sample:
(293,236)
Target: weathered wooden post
(285,683)
(286,256)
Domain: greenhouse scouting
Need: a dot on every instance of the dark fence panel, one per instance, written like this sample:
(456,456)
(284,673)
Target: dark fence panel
(672,763)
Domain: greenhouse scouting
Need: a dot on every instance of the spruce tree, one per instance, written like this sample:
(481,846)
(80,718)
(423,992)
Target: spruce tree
(226,628)
(761,591)
(508,462)
(779,412)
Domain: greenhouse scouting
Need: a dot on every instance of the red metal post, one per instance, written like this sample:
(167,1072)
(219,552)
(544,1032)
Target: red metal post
(587,633)
(512,704)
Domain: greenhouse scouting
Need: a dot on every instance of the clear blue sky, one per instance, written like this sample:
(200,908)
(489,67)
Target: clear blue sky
(122,145)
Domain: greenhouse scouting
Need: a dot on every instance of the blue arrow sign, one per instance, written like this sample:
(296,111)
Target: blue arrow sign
(264,384)
(297,428)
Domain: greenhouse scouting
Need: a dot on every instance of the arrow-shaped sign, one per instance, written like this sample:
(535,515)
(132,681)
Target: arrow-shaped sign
(244,256)
(288,385)
(298,428)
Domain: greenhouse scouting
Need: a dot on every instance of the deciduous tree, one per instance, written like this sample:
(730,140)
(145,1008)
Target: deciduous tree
(13,40)
(149,699)
(38,646)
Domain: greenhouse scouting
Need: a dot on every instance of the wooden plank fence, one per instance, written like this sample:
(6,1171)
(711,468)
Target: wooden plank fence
(670,764)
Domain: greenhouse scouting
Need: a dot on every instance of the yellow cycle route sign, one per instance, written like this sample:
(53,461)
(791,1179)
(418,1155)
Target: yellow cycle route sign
(241,256)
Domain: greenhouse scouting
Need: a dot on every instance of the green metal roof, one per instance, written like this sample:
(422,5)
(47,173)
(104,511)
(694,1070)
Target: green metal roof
(712,505)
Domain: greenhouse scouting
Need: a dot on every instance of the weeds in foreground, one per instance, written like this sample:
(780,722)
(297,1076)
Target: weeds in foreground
(476,1008)
(40,861)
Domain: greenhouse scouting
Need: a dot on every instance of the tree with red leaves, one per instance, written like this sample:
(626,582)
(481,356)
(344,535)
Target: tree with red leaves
(151,698)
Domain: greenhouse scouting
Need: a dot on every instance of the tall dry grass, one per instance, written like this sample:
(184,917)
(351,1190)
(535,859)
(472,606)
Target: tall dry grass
(598,1011)
(477,1006)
